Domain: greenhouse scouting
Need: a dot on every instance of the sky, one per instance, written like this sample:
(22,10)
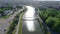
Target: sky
(27,0)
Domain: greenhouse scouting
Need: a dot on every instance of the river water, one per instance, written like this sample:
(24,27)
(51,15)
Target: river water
(30,23)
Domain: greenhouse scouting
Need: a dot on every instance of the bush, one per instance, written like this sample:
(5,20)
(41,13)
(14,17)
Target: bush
(1,11)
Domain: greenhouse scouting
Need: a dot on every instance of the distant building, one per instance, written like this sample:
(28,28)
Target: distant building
(7,12)
(0,5)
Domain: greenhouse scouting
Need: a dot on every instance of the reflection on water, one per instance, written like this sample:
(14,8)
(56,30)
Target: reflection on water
(30,12)
(30,26)
(29,22)
(30,15)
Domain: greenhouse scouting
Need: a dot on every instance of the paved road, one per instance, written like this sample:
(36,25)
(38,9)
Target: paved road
(4,23)
(30,24)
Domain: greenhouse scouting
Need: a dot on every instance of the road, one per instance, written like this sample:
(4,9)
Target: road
(30,23)
(4,23)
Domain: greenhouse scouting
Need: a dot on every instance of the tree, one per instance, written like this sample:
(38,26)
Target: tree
(53,23)
(50,21)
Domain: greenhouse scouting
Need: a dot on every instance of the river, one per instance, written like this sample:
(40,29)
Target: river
(30,23)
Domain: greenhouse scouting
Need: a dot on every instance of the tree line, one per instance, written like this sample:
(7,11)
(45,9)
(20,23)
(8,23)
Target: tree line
(51,17)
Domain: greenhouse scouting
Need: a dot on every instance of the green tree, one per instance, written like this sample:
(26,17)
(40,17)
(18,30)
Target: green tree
(50,21)
(53,23)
